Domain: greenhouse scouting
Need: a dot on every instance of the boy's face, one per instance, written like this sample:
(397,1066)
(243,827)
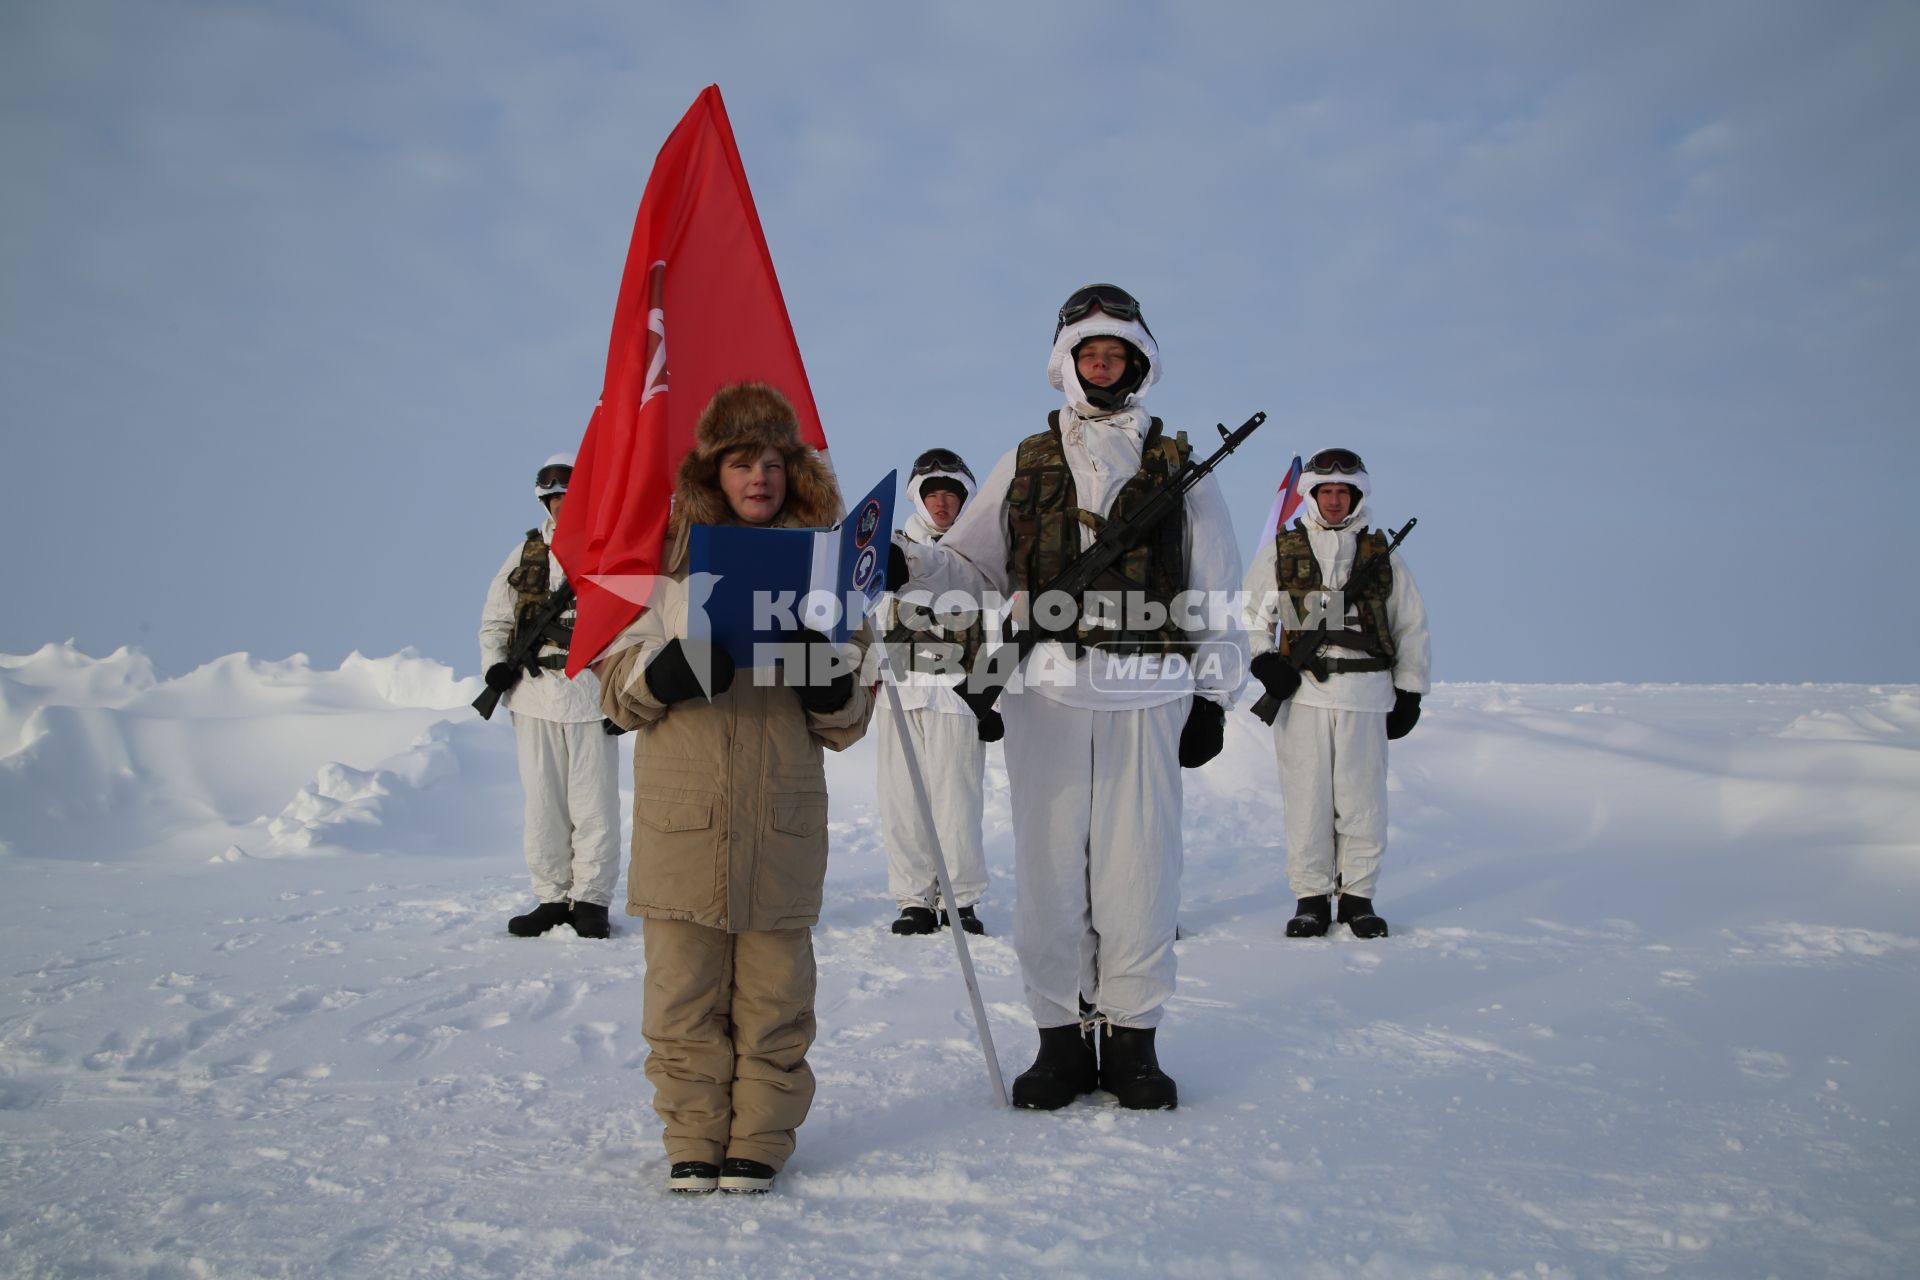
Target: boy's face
(1335,501)
(1101,361)
(943,507)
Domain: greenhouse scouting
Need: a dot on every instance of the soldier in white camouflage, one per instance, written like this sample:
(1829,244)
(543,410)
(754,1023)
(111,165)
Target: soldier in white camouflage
(1098,726)
(1333,726)
(937,725)
(569,758)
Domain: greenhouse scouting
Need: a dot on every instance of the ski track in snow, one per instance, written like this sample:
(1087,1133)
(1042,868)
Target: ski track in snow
(1622,1028)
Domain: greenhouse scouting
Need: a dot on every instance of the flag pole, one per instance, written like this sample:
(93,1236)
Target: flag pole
(925,805)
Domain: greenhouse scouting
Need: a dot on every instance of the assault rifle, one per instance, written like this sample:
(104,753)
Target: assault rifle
(1116,537)
(526,653)
(1304,654)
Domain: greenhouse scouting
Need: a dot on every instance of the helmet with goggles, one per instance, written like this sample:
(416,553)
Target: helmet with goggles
(938,460)
(1109,298)
(1343,462)
(551,480)
(1334,466)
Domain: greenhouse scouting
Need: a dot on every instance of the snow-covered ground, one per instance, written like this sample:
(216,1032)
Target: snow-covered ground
(1649,1008)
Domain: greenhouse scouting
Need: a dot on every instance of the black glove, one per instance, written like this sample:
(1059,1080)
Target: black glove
(501,677)
(611,729)
(1205,732)
(1276,673)
(897,571)
(670,675)
(1405,714)
(991,727)
(821,699)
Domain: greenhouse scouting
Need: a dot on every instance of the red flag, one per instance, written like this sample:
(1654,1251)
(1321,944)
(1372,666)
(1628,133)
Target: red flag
(699,307)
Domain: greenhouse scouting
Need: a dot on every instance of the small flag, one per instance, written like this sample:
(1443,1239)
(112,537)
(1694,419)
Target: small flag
(1285,502)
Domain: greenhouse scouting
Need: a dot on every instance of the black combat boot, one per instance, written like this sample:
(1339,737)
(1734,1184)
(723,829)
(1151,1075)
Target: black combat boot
(590,920)
(1130,1070)
(968,921)
(916,920)
(1064,1069)
(1311,916)
(1357,914)
(540,919)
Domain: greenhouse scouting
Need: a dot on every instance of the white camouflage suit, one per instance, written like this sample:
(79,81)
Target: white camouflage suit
(1331,735)
(945,738)
(569,765)
(1094,773)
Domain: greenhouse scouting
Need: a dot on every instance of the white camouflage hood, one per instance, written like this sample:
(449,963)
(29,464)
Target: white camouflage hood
(1310,510)
(1063,376)
(919,526)
(542,492)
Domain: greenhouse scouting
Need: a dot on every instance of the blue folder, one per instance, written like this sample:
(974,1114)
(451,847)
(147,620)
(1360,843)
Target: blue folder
(766,582)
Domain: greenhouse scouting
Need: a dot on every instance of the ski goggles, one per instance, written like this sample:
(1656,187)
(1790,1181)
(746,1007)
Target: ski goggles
(1109,298)
(553,477)
(1343,462)
(940,460)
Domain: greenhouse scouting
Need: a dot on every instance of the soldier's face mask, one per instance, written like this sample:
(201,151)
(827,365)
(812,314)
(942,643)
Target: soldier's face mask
(1343,462)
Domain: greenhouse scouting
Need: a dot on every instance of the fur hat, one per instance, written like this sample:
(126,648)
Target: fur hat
(747,415)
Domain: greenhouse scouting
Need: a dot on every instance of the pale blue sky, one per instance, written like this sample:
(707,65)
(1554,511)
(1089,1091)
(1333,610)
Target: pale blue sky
(1612,296)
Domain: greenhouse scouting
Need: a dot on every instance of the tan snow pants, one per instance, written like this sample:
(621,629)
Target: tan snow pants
(728,1019)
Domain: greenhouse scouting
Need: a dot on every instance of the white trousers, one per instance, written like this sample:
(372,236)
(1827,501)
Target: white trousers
(1333,782)
(570,772)
(952,760)
(1097,852)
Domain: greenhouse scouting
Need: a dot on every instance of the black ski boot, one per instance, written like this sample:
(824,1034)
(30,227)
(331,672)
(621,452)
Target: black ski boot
(1357,915)
(915,920)
(1064,1069)
(1130,1070)
(968,921)
(1311,916)
(540,919)
(590,920)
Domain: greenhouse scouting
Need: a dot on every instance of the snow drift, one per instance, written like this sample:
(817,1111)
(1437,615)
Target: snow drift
(99,760)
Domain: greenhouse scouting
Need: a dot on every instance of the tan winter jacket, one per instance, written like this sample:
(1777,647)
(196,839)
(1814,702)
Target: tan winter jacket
(730,796)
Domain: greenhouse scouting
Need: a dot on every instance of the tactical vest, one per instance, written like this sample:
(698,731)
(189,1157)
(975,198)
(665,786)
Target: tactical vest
(530,582)
(936,649)
(1045,520)
(1297,572)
